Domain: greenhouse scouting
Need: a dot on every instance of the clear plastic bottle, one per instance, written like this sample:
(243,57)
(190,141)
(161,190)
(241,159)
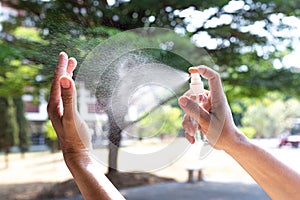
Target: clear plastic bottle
(196,88)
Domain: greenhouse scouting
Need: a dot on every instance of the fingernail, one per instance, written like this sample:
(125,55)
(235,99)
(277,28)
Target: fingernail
(183,101)
(65,83)
(193,141)
(193,70)
(62,53)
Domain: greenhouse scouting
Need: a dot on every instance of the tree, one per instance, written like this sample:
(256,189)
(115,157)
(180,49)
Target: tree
(22,123)
(9,128)
(272,115)
(228,37)
(17,73)
(238,53)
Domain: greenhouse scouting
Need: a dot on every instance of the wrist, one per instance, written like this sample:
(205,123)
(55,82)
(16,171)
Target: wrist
(236,143)
(78,158)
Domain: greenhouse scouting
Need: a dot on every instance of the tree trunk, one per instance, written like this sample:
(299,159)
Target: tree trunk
(114,144)
(23,130)
(8,127)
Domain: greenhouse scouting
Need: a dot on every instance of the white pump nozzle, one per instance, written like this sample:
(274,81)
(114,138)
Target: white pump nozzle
(196,84)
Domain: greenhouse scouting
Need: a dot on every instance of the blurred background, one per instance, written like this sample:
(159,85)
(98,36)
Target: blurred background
(253,44)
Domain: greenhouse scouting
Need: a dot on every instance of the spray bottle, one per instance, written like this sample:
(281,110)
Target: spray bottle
(196,88)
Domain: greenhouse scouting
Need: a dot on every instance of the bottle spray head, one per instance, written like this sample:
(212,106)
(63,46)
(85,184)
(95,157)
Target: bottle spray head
(196,84)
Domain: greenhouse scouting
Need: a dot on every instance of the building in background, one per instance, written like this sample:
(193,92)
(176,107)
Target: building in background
(37,116)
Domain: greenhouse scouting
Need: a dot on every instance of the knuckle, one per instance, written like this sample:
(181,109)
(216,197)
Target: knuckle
(217,76)
(67,99)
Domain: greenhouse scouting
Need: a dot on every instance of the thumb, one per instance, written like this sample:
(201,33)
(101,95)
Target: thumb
(67,96)
(192,109)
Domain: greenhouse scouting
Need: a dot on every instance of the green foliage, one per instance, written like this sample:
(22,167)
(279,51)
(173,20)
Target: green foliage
(78,26)
(250,132)
(271,115)
(29,34)
(164,120)
(50,132)
(18,72)
(238,108)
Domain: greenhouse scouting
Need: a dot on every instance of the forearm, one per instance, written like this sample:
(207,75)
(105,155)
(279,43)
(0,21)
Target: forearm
(92,183)
(277,179)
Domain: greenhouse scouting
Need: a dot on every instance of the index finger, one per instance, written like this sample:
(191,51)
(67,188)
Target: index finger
(214,81)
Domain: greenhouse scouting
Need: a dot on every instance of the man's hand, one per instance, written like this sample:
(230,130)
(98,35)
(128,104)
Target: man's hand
(212,114)
(71,130)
